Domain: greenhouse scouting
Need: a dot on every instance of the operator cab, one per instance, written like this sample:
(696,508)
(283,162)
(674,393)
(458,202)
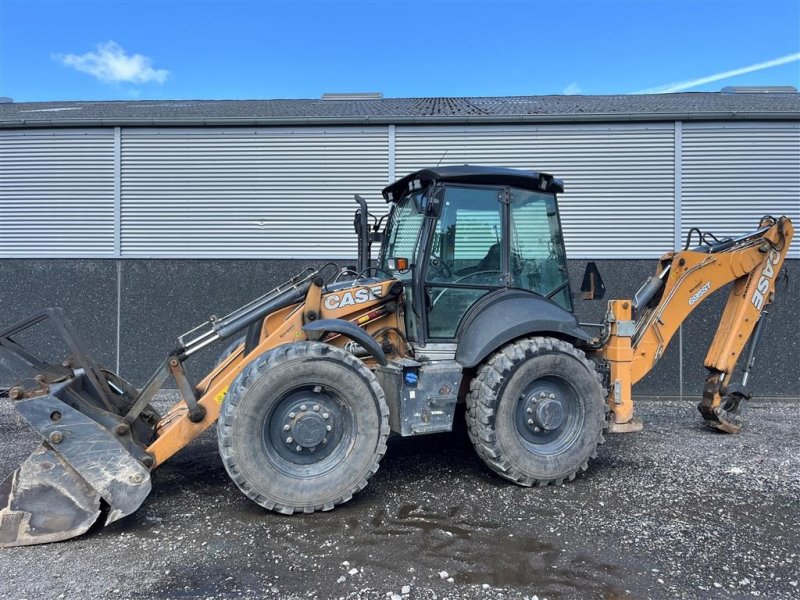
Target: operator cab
(456,234)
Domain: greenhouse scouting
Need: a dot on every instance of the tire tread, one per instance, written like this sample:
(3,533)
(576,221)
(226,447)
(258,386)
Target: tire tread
(483,397)
(260,366)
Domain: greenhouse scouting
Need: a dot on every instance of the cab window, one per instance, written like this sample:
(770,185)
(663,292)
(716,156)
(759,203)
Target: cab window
(467,242)
(537,257)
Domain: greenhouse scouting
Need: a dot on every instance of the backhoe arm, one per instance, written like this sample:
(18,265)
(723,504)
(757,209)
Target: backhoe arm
(682,281)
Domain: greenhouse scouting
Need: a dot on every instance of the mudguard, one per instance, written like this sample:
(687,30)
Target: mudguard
(506,315)
(347,329)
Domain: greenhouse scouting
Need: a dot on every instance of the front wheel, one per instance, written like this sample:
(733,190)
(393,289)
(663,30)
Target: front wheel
(535,411)
(303,428)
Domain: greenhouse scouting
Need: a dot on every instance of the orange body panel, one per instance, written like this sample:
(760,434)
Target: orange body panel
(365,306)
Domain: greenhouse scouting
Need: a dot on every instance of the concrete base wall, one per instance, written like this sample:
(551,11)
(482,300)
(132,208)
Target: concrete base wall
(131,311)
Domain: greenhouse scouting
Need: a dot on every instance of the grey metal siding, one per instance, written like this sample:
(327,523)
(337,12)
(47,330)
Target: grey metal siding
(57,193)
(619,197)
(287,192)
(734,173)
(277,193)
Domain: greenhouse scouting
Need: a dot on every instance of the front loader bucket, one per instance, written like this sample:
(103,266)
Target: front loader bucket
(56,494)
(95,429)
(45,500)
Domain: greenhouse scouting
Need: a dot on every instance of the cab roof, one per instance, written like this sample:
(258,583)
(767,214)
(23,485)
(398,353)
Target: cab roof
(474,174)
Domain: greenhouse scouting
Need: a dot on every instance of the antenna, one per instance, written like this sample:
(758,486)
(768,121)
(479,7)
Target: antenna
(441,159)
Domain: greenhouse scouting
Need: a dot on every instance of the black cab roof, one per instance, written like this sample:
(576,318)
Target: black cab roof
(475,174)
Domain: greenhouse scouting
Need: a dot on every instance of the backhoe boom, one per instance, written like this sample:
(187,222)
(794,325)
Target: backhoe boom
(683,281)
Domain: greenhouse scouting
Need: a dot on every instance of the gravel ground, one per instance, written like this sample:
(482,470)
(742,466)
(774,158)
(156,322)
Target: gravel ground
(677,511)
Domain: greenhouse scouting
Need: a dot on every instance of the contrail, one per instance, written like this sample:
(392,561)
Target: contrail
(685,85)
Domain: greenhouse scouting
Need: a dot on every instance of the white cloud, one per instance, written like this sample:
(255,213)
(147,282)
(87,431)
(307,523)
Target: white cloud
(109,63)
(572,88)
(679,86)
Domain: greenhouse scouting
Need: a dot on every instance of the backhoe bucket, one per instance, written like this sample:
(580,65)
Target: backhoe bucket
(56,494)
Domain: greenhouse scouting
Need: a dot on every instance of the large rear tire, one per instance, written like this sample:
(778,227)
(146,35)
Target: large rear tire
(303,428)
(535,411)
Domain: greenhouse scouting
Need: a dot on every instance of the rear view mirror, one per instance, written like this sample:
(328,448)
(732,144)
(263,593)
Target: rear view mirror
(592,286)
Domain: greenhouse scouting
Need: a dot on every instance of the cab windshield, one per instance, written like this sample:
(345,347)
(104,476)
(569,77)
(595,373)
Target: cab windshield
(402,234)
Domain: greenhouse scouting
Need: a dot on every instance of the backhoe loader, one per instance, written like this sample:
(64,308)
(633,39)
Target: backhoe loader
(468,301)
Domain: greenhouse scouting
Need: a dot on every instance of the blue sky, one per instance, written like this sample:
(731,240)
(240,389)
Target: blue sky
(92,50)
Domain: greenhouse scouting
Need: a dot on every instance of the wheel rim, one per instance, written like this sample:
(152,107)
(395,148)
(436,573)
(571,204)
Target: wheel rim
(309,431)
(549,416)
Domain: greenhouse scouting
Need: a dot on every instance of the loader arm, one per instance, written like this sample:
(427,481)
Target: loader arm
(101,437)
(683,280)
(378,310)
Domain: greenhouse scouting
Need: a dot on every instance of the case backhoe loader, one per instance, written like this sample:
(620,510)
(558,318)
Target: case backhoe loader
(469,301)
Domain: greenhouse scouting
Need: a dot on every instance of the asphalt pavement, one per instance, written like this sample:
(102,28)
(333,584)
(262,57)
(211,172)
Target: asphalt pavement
(676,511)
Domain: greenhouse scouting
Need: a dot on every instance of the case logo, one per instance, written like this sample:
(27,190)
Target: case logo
(351,297)
(768,273)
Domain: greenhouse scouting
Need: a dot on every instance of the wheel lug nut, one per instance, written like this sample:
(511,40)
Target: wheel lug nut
(303,407)
(542,395)
(289,440)
(325,415)
(536,429)
(292,415)
(552,396)
(316,408)
(328,428)
(324,440)
(529,410)
(286,428)
(312,449)
(530,421)
(298,448)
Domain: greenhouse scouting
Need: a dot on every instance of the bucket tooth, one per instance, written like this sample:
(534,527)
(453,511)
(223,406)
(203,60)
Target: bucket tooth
(45,500)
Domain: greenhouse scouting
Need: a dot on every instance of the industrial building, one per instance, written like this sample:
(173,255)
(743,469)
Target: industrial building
(142,218)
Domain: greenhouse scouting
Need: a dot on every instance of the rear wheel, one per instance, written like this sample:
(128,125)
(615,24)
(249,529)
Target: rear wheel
(535,411)
(303,428)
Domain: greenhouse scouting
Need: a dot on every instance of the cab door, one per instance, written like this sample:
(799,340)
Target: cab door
(467,255)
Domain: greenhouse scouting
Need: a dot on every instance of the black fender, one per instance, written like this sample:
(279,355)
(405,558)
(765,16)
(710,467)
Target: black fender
(505,315)
(347,329)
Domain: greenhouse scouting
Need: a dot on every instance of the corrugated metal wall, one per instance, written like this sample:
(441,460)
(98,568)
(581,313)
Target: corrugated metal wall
(279,193)
(735,173)
(619,196)
(287,193)
(57,193)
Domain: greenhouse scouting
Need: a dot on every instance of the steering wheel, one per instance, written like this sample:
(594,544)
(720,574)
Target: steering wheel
(441,268)
(462,278)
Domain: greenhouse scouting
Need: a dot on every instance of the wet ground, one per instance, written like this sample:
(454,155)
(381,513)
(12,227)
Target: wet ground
(677,511)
